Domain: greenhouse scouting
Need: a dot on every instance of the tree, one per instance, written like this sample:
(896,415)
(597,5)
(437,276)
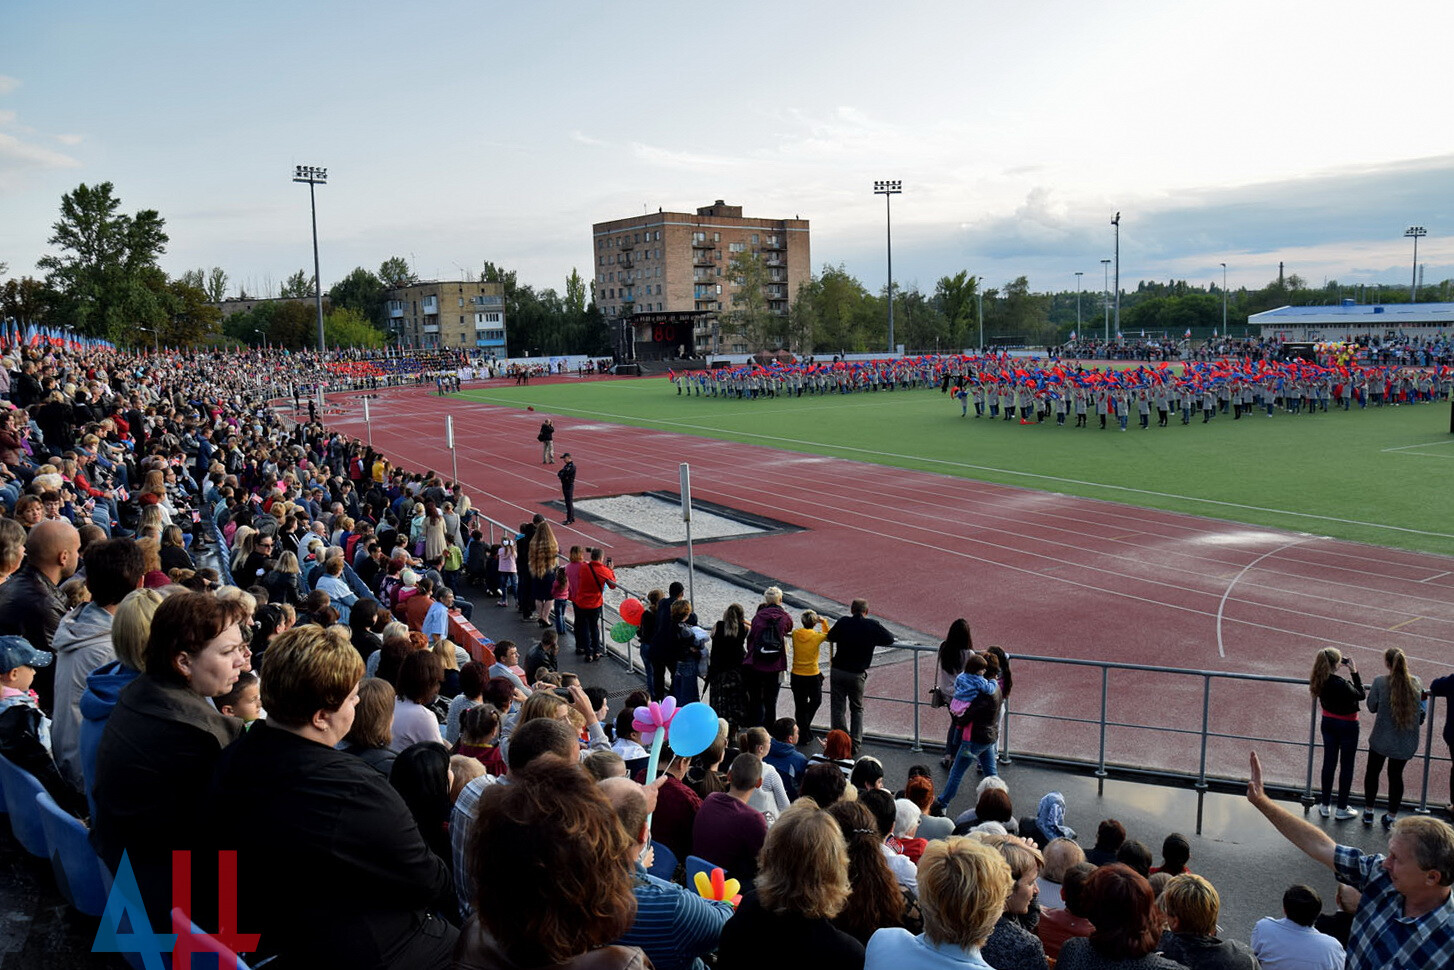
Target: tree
(361,292)
(346,327)
(99,283)
(299,284)
(190,318)
(24,300)
(395,272)
(575,293)
(749,316)
(293,324)
(216,284)
(193,277)
(954,296)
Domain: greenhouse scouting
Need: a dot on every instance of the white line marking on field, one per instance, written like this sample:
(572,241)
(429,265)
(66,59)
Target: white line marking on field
(1222,606)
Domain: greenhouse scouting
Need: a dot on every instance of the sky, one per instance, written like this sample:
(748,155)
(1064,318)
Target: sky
(1245,133)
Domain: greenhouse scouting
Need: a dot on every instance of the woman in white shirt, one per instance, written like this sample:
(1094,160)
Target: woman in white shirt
(771,799)
(419,680)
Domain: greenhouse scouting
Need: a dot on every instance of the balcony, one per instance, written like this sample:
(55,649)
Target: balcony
(703,244)
(431,328)
(775,262)
(773,245)
(626,243)
(702,258)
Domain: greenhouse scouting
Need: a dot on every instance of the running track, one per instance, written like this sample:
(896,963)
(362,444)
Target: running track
(1040,573)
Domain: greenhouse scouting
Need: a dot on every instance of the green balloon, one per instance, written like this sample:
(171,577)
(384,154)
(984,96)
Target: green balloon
(623,632)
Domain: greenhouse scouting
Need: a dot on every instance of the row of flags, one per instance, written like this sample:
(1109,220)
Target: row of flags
(14,335)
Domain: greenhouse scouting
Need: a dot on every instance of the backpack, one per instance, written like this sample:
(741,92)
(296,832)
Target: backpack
(768,643)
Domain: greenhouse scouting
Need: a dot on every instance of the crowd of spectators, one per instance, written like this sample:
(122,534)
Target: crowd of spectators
(396,802)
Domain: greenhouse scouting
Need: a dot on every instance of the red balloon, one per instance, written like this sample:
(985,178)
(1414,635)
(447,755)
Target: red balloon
(631,611)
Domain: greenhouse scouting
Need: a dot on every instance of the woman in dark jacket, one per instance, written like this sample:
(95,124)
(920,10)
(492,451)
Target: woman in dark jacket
(173,553)
(1339,700)
(163,740)
(767,657)
(688,654)
(282,581)
(725,676)
(289,802)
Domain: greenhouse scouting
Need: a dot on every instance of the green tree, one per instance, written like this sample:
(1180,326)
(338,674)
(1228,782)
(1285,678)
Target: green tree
(216,284)
(748,316)
(575,293)
(293,324)
(190,317)
(24,300)
(297,285)
(100,282)
(362,292)
(395,272)
(346,327)
(954,297)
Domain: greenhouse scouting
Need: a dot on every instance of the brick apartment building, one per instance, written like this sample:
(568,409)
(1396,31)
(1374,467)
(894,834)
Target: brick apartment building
(662,278)
(436,314)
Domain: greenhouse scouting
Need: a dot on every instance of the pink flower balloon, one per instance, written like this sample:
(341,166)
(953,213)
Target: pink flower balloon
(653,717)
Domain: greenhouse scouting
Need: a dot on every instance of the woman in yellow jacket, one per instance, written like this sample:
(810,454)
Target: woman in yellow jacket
(806,680)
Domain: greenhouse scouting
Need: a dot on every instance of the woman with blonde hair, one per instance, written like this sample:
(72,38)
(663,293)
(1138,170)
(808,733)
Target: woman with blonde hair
(130,629)
(1395,699)
(242,543)
(1010,944)
(284,581)
(1339,699)
(544,549)
(801,885)
(963,885)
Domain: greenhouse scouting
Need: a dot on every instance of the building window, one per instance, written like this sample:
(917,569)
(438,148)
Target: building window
(736,247)
(716,237)
(754,239)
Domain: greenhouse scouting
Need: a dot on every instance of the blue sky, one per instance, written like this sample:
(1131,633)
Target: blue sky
(1241,132)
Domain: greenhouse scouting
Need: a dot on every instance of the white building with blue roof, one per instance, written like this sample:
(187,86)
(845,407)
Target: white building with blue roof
(1348,320)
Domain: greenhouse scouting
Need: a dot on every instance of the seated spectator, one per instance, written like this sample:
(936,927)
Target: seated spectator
(628,739)
(784,755)
(419,678)
(162,741)
(535,739)
(802,885)
(1049,821)
(1191,905)
(881,804)
(837,750)
(1175,854)
(569,864)
(421,776)
(1109,836)
(448,656)
(507,659)
(462,771)
(676,806)
(130,629)
(919,789)
(993,805)
(1291,943)
(372,733)
(1058,925)
(824,784)
(25,733)
(303,814)
(728,832)
(877,899)
(472,679)
(1012,946)
(479,739)
(964,885)
(674,926)
(1135,854)
(705,775)
(244,701)
(1060,855)
(867,773)
(601,765)
(543,655)
(1339,923)
(1118,902)
(906,828)
(771,798)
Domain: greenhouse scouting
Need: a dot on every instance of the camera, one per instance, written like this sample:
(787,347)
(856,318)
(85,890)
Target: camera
(563,693)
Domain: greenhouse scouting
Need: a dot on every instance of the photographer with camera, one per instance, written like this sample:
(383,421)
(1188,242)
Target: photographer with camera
(1339,699)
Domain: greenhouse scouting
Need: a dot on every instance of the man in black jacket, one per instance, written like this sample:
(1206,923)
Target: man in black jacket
(31,603)
(854,638)
(567,476)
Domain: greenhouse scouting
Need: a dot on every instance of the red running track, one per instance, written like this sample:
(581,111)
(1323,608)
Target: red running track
(1039,573)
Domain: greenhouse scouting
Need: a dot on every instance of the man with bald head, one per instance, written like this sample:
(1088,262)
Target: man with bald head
(674,926)
(31,603)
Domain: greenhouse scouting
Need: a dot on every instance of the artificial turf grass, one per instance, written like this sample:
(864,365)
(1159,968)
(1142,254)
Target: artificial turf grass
(1333,466)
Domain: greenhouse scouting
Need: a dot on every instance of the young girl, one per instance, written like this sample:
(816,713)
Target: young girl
(244,701)
(479,738)
(508,580)
(560,592)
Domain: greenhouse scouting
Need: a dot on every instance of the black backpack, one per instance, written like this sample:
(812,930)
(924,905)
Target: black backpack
(768,643)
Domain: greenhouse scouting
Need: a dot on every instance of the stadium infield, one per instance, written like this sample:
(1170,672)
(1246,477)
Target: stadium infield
(930,537)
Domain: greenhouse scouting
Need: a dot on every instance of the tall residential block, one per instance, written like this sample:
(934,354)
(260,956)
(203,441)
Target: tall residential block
(663,280)
(466,314)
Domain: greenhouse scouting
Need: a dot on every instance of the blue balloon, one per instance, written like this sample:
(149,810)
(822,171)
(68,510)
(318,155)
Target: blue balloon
(692,730)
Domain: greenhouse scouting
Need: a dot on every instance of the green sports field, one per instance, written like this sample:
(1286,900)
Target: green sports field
(1381,476)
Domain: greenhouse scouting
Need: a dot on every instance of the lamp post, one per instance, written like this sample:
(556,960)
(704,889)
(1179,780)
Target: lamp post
(1414,232)
(888,190)
(156,341)
(1106,296)
(979,298)
(1117,223)
(262,334)
(1224,299)
(314,176)
(1078,275)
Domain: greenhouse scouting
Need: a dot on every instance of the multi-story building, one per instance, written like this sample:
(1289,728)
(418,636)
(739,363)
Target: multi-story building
(437,314)
(663,278)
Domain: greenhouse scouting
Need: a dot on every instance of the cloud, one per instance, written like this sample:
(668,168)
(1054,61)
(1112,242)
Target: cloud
(70,139)
(666,158)
(8,84)
(584,139)
(15,153)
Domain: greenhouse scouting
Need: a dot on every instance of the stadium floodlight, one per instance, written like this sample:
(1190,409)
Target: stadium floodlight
(1414,232)
(889,189)
(314,175)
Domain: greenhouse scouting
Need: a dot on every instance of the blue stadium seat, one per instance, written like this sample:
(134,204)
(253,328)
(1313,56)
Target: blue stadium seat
(696,864)
(75,864)
(664,862)
(203,943)
(21,787)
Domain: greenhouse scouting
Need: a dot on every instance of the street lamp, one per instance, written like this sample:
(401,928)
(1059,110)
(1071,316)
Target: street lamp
(979,297)
(1117,223)
(1106,296)
(156,341)
(1078,275)
(1224,299)
(314,176)
(1414,232)
(263,334)
(888,190)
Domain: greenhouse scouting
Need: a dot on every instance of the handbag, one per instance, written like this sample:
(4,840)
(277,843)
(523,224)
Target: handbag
(937,698)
